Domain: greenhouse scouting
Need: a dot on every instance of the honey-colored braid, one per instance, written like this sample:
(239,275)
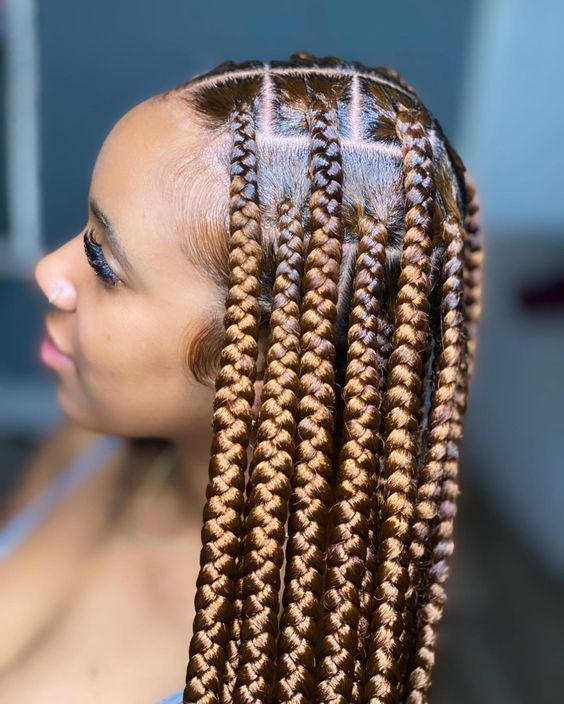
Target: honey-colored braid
(272,466)
(234,646)
(356,472)
(401,407)
(416,563)
(232,418)
(366,481)
(410,624)
(313,466)
(384,333)
(438,475)
(473,256)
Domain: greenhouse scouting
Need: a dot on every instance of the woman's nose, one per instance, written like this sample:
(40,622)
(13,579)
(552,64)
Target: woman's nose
(53,279)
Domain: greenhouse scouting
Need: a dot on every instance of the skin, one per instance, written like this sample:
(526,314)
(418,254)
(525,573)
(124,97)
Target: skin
(128,342)
(158,177)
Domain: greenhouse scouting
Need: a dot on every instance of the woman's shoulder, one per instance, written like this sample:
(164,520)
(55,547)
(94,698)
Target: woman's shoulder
(49,456)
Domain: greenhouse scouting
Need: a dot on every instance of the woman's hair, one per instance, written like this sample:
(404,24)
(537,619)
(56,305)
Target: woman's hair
(352,242)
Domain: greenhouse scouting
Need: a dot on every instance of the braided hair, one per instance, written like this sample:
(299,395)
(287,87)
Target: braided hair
(352,243)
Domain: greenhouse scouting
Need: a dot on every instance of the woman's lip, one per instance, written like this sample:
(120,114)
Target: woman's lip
(52,355)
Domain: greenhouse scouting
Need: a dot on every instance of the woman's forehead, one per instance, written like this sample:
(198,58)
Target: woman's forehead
(136,169)
(145,139)
(154,179)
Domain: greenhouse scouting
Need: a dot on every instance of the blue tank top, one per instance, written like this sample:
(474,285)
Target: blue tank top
(23,523)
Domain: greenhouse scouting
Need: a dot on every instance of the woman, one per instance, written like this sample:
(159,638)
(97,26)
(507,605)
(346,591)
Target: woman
(286,270)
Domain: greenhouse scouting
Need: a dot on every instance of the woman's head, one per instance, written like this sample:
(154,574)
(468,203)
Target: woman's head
(161,179)
(310,214)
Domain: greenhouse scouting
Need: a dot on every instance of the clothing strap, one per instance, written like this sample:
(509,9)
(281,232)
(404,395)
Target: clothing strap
(20,526)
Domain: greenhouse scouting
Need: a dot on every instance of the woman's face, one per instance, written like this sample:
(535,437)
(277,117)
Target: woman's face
(128,342)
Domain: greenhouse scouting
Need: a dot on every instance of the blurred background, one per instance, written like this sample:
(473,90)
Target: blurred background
(491,71)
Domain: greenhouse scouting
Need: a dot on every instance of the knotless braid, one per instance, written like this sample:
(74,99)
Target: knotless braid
(232,416)
(346,555)
(473,255)
(384,331)
(272,467)
(401,406)
(363,485)
(313,466)
(234,646)
(429,361)
(437,491)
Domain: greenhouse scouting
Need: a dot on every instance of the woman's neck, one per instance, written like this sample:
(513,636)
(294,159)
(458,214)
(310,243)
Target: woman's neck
(192,471)
(170,499)
(161,494)
(194,456)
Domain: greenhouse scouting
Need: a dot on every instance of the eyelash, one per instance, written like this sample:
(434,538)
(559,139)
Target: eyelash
(97,260)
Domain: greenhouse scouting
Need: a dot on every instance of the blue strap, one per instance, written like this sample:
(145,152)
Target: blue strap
(175,698)
(20,526)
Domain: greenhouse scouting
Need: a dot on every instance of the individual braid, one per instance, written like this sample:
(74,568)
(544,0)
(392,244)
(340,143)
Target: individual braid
(346,555)
(410,629)
(401,406)
(272,465)
(437,491)
(473,253)
(384,333)
(467,251)
(234,646)
(313,465)
(232,417)
(473,256)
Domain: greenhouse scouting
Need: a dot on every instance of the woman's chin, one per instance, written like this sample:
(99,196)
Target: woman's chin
(80,415)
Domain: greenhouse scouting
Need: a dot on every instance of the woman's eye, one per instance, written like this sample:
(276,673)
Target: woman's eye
(97,260)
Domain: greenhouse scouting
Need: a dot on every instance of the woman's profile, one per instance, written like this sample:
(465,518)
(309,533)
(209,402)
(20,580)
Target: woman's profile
(268,326)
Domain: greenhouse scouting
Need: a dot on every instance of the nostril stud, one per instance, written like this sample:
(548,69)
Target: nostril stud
(55,294)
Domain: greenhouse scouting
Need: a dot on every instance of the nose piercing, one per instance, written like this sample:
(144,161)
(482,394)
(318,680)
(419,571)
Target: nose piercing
(55,294)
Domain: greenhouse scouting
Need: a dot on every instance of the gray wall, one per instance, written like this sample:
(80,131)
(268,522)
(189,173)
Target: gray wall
(514,114)
(510,132)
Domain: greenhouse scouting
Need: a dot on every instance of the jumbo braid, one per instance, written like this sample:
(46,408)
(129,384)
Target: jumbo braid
(438,491)
(439,475)
(380,515)
(313,470)
(356,472)
(232,417)
(384,331)
(430,366)
(272,465)
(401,407)
(473,255)
(234,647)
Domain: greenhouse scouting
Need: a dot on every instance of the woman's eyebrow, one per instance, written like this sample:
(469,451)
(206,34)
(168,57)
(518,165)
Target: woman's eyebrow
(111,234)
